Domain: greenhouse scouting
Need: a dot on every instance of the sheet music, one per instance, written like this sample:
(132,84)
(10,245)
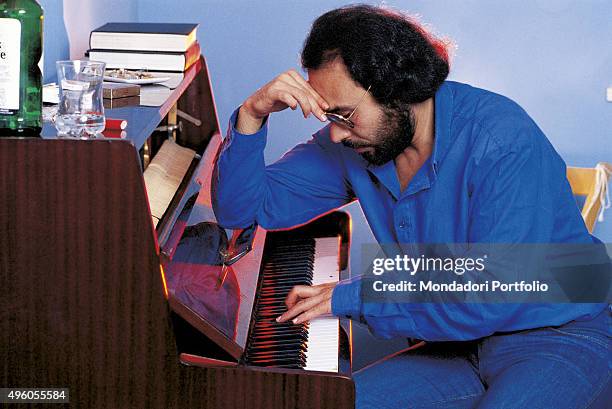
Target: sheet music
(164,174)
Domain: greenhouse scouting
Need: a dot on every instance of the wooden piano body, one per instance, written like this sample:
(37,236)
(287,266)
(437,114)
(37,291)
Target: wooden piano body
(84,300)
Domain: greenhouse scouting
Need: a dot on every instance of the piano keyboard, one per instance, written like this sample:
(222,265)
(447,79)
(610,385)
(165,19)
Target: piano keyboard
(311,346)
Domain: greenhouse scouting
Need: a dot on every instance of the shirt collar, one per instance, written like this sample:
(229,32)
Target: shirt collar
(427,174)
(387,175)
(443,114)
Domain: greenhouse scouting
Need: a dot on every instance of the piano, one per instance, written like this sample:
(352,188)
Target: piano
(119,284)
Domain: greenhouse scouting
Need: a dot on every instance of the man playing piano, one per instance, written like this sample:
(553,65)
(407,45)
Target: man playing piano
(430,161)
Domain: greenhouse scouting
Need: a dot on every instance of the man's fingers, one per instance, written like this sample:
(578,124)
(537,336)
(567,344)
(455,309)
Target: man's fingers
(287,90)
(288,99)
(304,100)
(318,104)
(300,291)
(306,85)
(319,309)
(303,305)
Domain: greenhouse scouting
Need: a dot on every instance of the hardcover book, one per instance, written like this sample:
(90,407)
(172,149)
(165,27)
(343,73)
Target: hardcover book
(147,60)
(171,37)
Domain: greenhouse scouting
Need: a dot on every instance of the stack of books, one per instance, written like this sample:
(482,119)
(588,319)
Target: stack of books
(164,47)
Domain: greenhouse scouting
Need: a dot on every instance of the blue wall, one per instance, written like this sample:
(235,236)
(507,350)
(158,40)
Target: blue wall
(68,24)
(552,56)
(56,45)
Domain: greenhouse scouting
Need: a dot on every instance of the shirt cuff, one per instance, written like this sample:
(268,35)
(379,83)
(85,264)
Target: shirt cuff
(243,142)
(346,299)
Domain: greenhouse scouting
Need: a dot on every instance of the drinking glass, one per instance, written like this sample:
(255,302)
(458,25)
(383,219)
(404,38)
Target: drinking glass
(80,112)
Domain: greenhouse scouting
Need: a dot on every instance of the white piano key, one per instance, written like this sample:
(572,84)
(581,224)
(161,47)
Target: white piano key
(323,332)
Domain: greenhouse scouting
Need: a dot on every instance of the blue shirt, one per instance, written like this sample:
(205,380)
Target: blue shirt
(493,177)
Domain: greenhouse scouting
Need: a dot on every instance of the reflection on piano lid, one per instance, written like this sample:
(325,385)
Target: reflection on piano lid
(193,274)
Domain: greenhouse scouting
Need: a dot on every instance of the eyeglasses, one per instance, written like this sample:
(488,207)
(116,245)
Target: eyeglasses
(346,121)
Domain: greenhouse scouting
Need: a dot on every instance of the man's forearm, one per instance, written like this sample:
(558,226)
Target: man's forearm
(247,123)
(239,176)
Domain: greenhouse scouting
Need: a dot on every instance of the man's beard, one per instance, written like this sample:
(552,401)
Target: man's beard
(391,136)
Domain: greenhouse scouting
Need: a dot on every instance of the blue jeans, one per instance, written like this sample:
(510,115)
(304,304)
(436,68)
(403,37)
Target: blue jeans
(551,367)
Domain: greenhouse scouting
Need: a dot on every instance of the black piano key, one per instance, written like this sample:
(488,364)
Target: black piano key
(293,248)
(267,330)
(273,330)
(279,360)
(271,323)
(277,337)
(293,357)
(279,299)
(265,334)
(295,354)
(271,301)
(268,324)
(289,259)
(303,265)
(285,281)
(285,288)
(277,348)
(273,290)
(289,357)
(272,312)
(278,334)
(274,268)
(273,307)
(286,275)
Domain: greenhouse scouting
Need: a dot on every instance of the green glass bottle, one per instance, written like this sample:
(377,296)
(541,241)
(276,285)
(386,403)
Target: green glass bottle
(21,24)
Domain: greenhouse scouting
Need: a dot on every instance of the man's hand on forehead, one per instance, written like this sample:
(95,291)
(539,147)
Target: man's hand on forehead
(289,89)
(313,102)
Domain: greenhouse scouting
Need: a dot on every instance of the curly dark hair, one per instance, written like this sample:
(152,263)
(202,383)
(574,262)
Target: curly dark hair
(381,48)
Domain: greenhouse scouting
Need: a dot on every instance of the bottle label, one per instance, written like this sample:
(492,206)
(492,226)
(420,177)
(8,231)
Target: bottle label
(10,61)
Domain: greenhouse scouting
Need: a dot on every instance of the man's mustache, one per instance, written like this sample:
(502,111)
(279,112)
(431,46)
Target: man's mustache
(355,145)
